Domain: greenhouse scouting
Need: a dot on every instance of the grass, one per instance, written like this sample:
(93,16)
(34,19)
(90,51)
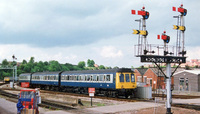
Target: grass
(100,104)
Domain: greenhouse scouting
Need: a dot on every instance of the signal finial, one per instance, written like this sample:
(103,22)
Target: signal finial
(143,7)
(164,31)
(181,5)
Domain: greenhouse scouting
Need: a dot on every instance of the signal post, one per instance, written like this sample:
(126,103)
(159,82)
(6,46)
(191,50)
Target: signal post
(165,53)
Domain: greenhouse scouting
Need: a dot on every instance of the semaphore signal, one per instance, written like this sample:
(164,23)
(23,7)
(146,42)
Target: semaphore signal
(180,27)
(142,32)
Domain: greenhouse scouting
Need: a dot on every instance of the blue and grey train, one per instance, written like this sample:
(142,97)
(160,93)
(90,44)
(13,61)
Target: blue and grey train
(109,82)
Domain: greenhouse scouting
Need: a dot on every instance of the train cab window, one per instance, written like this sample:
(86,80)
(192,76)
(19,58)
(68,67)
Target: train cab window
(127,77)
(101,77)
(121,77)
(132,78)
(107,77)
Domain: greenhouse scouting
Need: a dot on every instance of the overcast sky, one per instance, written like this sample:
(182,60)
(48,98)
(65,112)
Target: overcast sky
(70,31)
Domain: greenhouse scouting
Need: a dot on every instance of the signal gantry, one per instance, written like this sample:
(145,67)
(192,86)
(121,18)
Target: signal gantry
(162,53)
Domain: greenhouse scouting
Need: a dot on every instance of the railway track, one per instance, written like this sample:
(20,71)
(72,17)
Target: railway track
(55,105)
(2,84)
(83,95)
(60,105)
(177,96)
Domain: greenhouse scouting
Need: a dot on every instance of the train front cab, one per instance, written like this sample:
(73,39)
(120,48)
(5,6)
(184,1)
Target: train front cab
(6,79)
(126,83)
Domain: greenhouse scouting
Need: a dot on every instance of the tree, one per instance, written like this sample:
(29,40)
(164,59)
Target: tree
(5,62)
(116,67)
(101,67)
(54,66)
(31,61)
(187,67)
(90,63)
(24,62)
(81,64)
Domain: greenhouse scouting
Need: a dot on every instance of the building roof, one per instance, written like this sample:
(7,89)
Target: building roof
(196,71)
(142,71)
(159,73)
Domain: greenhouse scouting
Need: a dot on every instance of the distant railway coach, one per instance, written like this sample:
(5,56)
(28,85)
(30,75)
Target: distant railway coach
(110,82)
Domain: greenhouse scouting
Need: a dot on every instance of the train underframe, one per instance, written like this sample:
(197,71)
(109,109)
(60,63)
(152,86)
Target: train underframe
(84,90)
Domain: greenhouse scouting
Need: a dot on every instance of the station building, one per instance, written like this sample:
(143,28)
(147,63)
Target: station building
(187,80)
(153,77)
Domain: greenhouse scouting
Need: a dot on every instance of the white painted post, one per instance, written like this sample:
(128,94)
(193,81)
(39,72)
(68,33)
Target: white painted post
(168,85)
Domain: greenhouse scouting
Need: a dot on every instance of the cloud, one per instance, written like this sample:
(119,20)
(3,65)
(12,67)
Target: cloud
(63,23)
(73,31)
(110,52)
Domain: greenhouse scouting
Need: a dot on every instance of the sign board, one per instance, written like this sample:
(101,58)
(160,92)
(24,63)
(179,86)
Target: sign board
(91,94)
(91,91)
(25,84)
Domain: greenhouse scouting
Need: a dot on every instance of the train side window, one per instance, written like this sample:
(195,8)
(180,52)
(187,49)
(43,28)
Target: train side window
(85,77)
(81,77)
(132,78)
(91,79)
(127,77)
(107,77)
(97,78)
(63,78)
(94,78)
(67,77)
(78,78)
(56,77)
(75,78)
(88,78)
(121,77)
(101,77)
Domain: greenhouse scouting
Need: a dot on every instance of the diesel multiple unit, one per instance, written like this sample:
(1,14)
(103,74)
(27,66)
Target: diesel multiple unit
(109,82)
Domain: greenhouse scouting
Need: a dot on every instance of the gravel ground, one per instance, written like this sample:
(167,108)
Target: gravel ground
(162,110)
(104,102)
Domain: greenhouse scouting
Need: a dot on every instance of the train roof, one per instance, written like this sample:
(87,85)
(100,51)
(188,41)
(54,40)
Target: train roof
(46,73)
(98,71)
(102,71)
(25,74)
